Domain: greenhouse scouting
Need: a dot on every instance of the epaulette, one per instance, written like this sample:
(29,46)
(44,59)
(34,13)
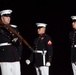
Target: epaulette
(13,25)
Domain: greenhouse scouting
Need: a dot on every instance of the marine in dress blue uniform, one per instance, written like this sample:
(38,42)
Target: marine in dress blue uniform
(10,47)
(72,36)
(43,53)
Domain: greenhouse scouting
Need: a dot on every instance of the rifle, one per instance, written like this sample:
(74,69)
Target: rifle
(18,35)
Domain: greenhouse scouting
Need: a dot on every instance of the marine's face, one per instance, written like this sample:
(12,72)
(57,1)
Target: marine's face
(5,19)
(41,30)
(74,25)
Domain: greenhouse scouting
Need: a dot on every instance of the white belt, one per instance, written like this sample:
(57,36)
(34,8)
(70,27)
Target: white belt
(5,44)
(43,53)
(38,51)
(74,45)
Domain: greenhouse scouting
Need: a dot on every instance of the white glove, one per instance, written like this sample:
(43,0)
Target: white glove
(15,39)
(48,64)
(27,62)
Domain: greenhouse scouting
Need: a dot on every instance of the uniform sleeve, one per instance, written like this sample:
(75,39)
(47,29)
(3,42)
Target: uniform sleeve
(70,37)
(19,47)
(31,58)
(49,47)
(70,34)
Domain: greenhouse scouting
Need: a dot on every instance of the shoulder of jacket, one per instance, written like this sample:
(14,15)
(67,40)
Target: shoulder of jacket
(14,26)
(71,32)
(46,35)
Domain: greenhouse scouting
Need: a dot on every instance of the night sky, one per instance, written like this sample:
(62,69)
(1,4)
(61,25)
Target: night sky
(57,15)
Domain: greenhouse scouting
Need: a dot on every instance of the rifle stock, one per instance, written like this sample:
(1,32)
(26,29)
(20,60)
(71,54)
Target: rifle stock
(18,35)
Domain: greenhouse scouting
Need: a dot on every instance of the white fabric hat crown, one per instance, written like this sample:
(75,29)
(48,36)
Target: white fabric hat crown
(41,24)
(3,12)
(73,17)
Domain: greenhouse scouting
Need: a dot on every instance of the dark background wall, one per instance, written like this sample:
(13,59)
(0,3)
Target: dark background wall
(57,15)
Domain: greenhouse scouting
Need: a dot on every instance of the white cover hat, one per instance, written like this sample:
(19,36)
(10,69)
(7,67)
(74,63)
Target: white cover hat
(41,24)
(73,17)
(5,12)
